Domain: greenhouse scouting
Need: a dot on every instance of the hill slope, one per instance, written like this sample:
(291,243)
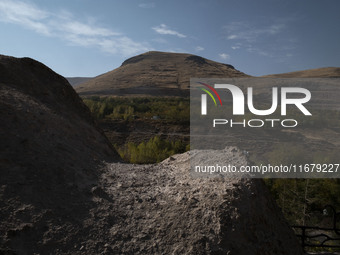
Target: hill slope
(326,72)
(156,74)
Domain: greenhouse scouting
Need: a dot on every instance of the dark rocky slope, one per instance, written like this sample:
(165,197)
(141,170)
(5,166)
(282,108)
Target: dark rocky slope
(50,149)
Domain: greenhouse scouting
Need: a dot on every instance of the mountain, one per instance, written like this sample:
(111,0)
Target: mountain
(326,72)
(75,81)
(156,74)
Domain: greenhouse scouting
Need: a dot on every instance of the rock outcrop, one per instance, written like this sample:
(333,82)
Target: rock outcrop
(64,191)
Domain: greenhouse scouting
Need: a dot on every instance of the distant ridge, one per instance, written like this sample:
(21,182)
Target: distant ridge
(325,72)
(156,74)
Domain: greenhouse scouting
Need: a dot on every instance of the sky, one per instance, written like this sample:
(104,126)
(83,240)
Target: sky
(85,38)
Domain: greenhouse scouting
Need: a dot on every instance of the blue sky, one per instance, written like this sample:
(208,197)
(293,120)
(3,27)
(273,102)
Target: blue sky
(88,37)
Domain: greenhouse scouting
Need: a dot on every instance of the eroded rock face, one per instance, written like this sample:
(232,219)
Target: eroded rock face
(58,196)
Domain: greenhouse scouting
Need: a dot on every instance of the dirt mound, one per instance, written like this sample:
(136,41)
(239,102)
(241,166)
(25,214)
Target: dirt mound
(50,149)
(41,110)
(162,209)
(156,74)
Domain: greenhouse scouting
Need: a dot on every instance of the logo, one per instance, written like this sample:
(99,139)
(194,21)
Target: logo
(295,96)
(204,97)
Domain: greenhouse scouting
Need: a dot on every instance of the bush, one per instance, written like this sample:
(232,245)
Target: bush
(155,150)
(171,109)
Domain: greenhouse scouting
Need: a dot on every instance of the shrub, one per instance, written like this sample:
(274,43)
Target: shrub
(155,150)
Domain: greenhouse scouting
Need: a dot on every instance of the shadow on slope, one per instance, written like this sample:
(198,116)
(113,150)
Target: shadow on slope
(50,152)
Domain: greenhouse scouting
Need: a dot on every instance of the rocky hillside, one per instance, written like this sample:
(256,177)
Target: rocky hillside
(156,74)
(326,72)
(63,191)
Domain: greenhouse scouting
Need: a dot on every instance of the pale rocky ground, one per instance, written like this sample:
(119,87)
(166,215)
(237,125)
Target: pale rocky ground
(164,210)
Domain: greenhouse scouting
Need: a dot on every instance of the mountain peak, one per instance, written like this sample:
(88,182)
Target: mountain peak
(156,73)
(159,54)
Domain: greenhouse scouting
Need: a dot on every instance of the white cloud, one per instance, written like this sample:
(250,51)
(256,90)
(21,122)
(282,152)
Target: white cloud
(199,48)
(231,37)
(249,33)
(24,14)
(147,5)
(272,40)
(78,28)
(224,56)
(64,26)
(165,30)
